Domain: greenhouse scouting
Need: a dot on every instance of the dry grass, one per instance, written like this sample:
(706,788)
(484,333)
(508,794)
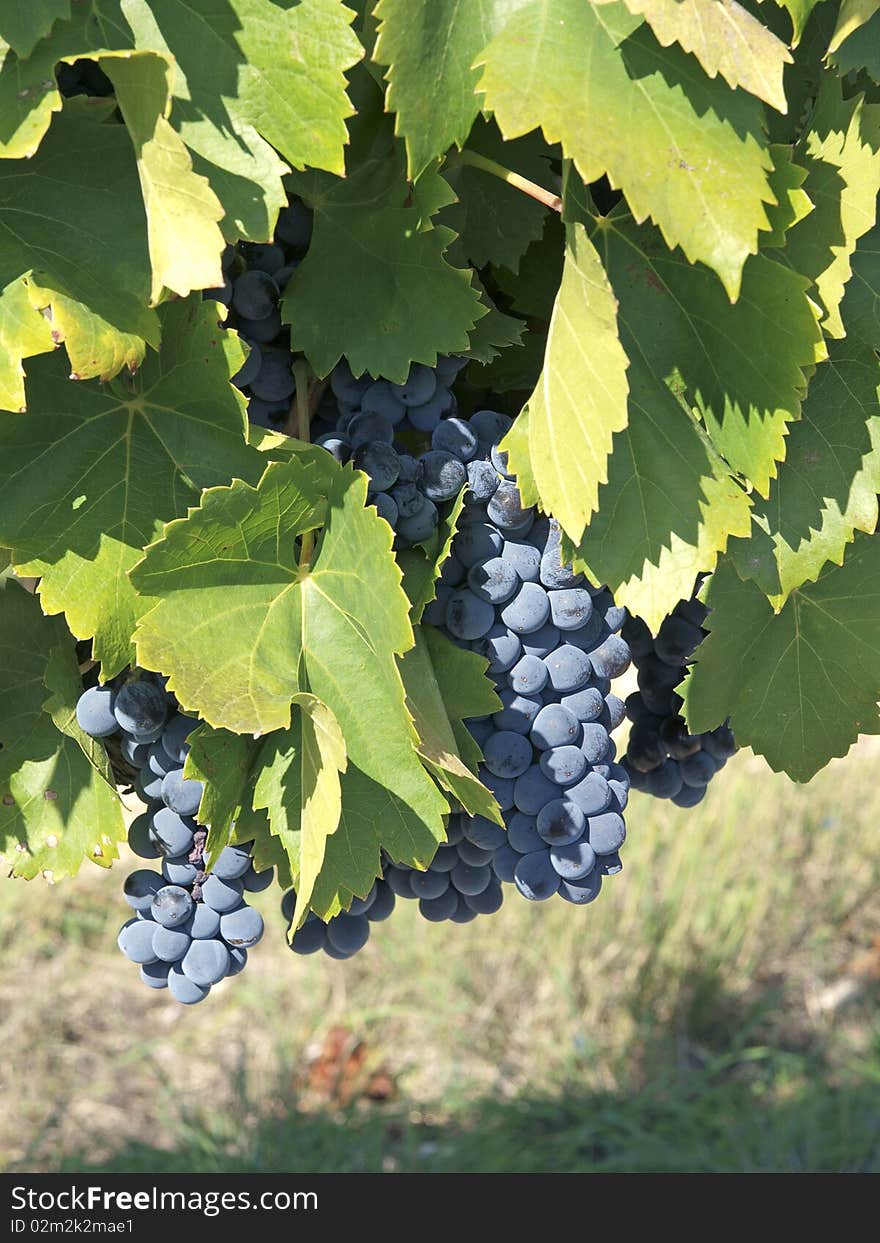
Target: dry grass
(734,955)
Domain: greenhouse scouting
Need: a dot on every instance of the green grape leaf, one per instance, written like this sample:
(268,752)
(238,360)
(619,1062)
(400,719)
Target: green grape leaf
(860,308)
(421,565)
(331,628)
(267,851)
(91,474)
(25,22)
(532,290)
(743,368)
(495,332)
(465,690)
(62,680)
(793,203)
(375,287)
(512,370)
(800,12)
(851,15)
(95,348)
(693,155)
(55,806)
(73,215)
(580,399)
(841,152)
(223,761)
(373,820)
(182,210)
(497,222)
(298,784)
(668,507)
(517,445)
(425,699)
(860,50)
(827,485)
(799,686)
(258,66)
(725,38)
(430,47)
(24,332)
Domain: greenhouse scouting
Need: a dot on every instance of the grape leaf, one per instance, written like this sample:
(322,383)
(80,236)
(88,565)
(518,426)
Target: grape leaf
(96,349)
(254,65)
(464,687)
(515,369)
(827,485)
(421,565)
(29,92)
(800,12)
(373,820)
(725,38)
(182,209)
(841,152)
(494,332)
(693,157)
(55,807)
(73,214)
(743,367)
(331,628)
(62,680)
(88,480)
(497,222)
(24,22)
(668,507)
(580,398)
(532,290)
(860,308)
(375,287)
(424,696)
(851,15)
(860,50)
(222,760)
(298,784)
(430,47)
(799,686)
(793,203)
(24,332)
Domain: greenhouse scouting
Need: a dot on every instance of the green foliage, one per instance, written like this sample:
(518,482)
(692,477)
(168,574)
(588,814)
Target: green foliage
(691,345)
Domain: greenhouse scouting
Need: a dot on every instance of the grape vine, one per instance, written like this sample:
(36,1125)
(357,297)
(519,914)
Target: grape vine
(372,389)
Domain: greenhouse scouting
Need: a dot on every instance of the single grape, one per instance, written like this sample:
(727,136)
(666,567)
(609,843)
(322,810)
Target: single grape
(532,790)
(179,871)
(535,877)
(444,476)
(383,905)
(482,480)
(172,906)
(571,608)
(573,860)
(455,437)
(242,927)
(173,834)
(441,908)
(348,933)
(561,822)
(494,580)
(310,938)
(94,712)
(586,704)
(487,902)
(523,835)
(170,944)
(140,707)
(563,765)
(528,610)
(181,794)
(582,892)
(500,646)
(222,895)
(518,712)
(470,880)
(568,668)
(136,941)
(140,887)
(254,294)
(139,837)
(155,974)
(467,616)
(232,863)
(482,832)
(418,387)
(474,855)
(592,794)
(507,754)
(606,832)
(541,642)
(275,380)
(555,726)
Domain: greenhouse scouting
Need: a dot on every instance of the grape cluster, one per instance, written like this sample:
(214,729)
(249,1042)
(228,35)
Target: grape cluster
(550,638)
(255,274)
(342,936)
(662,757)
(191,927)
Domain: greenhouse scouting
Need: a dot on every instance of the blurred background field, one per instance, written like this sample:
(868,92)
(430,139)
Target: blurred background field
(715,1010)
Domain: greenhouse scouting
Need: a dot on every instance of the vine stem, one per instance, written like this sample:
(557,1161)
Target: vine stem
(547,197)
(303,375)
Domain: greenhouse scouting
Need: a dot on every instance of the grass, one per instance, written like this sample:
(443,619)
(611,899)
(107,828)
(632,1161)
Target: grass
(714,1010)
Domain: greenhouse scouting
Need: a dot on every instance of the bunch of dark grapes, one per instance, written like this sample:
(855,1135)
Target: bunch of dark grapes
(662,757)
(550,638)
(342,936)
(192,925)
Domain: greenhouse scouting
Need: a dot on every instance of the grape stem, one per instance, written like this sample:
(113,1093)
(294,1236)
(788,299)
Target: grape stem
(547,197)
